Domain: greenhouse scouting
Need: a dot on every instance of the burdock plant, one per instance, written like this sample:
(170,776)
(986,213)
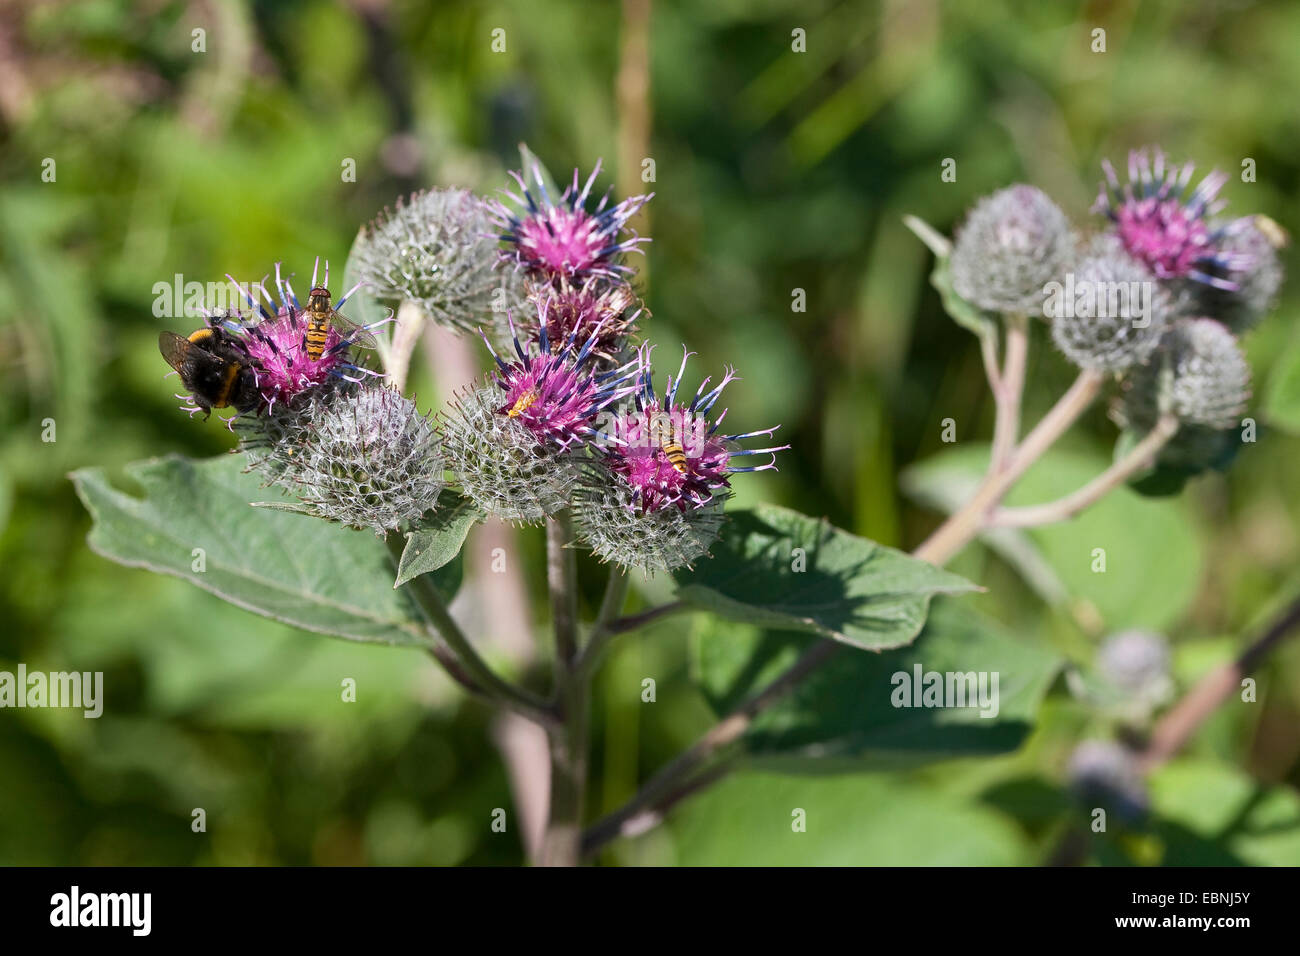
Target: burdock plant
(570,432)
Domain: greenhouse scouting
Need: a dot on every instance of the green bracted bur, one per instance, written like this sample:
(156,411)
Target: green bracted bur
(499,464)
(1111,311)
(613,525)
(1012,243)
(365,458)
(438,250)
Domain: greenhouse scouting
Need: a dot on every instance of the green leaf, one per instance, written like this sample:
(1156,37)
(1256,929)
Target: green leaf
(1211,812)
(1282,397)
(848,588)
(529,162)
(303,571)
(965,314)
(1152,553)
(862,820)
(844,715)
(363,307)
(440,540)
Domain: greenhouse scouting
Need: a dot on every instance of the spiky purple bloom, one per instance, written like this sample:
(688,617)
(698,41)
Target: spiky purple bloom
(593,308)
(1167,227)
(557,395)
(554,237)
(670,454)
(276,340)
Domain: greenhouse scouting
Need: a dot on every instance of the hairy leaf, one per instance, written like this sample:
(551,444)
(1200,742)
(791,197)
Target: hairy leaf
(300,570)
(778,568)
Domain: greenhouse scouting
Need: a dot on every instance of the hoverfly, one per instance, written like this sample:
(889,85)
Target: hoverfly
(321,317)
(665,431)
(1278,237)
(521,404)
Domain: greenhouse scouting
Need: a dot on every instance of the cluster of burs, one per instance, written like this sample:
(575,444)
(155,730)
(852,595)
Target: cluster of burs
(1156,300)
(569,419)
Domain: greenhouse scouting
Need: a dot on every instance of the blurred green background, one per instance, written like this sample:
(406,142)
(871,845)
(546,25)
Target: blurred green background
(774,171)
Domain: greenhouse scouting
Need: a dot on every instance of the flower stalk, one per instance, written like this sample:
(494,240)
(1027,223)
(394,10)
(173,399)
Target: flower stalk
(468,664)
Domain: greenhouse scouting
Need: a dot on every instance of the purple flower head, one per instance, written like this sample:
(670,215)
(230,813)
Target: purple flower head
(557,396)
(294,348)
(594,308)
(555,237)
(671,454)
(1164,225)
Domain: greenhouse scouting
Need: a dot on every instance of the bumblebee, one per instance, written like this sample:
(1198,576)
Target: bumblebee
(214,366)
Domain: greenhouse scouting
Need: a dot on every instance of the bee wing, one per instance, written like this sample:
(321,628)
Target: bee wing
(177,350)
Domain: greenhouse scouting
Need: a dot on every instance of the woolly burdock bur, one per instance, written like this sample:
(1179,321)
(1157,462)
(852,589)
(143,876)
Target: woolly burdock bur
(437,250)
(1012,243)
(610,522)
(365,458)
(505,469)
(1109,313)
(1199,374)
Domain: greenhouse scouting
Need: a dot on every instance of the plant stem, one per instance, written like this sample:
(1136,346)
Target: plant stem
(603,631)
(657,795)
(968,521)
(1008,390)
(568,741)
(471,666)
(1176,727)
(410,323)
(1139,457)
(561,581)
(989,355)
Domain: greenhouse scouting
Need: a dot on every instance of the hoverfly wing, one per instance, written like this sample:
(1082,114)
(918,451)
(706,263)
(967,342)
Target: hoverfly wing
(356,334)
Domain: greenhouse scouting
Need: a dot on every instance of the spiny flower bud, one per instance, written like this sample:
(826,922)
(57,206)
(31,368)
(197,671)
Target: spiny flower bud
(1012,243)
(1106,774)
(1136,666)
(1109,312)
(594,309)
(1199,374)
(610,519)
(438,251)
(1257,283)
(500,464)
(365,458)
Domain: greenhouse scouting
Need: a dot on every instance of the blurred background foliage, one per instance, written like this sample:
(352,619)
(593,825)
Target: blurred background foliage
(775,171)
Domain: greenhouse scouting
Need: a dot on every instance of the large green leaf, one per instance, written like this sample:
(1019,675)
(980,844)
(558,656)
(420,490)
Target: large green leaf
(844,715)
(1211,812)
(868,820)
(778,568)
(300,570)
(441,538)
(1152,554)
